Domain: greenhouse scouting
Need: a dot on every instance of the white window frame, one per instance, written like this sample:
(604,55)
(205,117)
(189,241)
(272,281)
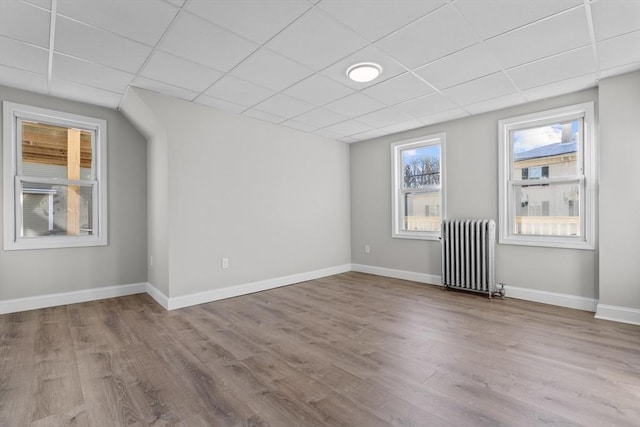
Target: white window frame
(586,178)
(397,191)
(13,115)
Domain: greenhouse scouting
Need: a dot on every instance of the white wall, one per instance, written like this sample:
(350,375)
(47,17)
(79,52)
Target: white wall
(472,192)
(32,273)
(273,200)
(620,192)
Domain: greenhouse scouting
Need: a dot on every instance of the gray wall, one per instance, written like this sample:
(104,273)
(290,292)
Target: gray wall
(47,271)
(273,200)
(135,109)
(472,192)
(620,191)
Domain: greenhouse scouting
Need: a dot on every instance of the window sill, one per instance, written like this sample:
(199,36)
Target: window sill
(547,242)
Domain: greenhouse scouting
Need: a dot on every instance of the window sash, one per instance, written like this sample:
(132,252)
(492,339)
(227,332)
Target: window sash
(13,179)
(400,192)
(585,177)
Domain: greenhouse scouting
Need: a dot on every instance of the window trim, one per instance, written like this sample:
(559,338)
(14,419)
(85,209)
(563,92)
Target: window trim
(14,113)
(397,210)
(587,178)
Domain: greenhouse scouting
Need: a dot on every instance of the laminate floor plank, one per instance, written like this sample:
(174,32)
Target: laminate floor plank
(351,349)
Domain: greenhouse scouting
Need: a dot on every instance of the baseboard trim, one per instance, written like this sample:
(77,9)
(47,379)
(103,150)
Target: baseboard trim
(158,296)
(413,276)
(249,288)
(551,298)
(618,314)
(64,298)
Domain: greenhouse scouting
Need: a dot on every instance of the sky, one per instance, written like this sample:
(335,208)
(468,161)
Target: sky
(527,139)
(420,153)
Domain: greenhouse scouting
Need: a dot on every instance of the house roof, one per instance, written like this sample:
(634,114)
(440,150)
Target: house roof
(548,150)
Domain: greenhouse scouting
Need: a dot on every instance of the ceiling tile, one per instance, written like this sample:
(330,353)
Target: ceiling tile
(316,41)
(496,103)
(318,90)
(95,45)
(270,70)
(381,17)
(24,56)
(482,89)
(81,93)
(354,105)
(45,4)
(208,44)
(401,127)
(622,69)
(382,118)
(553,69)
(493,17)
(257,20)
(545,38)
(425,105)
(462,66)
(283,105)
(562,87)
(239,91)
(326,134)
(348,127)
(265,117)
(434,36)
(613,18)
(123,17)
(398,89)
(338,71)
(294,124)
(163,88)
(24,22)
(22,79)
(180,72)
(320,118)
(620,50)
(219,103)
(444,116)
(90,74)
(374,133)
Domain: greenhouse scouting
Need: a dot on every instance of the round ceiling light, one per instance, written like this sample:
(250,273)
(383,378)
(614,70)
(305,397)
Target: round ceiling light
(364,72)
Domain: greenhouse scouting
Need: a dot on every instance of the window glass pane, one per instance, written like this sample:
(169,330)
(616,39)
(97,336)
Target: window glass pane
(549,151)
(422,211)
(547,209)
(56,210)
(56,151)
(421,166)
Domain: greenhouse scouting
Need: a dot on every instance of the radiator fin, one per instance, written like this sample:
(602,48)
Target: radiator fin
(468,254)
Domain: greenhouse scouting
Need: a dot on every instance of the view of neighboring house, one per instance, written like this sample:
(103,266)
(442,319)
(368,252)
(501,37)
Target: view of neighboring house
(548,201)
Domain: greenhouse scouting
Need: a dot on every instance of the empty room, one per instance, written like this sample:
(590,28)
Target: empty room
(320,212)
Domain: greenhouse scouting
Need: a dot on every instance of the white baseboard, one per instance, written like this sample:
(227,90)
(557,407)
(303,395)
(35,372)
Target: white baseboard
(431,279)
(552,298)
(64,298)
(158,295)
(618,314)
(249,288)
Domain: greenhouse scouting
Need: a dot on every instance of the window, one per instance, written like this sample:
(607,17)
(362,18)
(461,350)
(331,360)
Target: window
(547,178)
(418,187)
(54,179)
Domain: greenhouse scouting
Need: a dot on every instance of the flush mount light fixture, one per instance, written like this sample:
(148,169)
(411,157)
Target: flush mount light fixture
(364,72)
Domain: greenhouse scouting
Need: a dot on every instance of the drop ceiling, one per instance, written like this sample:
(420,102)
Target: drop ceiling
(285,61)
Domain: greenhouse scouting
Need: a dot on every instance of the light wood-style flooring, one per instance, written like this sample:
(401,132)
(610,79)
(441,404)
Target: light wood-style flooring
(352,349)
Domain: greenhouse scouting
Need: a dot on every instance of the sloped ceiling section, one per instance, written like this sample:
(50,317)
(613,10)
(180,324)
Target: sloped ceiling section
(285,61)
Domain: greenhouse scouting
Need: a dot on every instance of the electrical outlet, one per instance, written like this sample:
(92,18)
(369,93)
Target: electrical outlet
(367,249)
(225,263)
